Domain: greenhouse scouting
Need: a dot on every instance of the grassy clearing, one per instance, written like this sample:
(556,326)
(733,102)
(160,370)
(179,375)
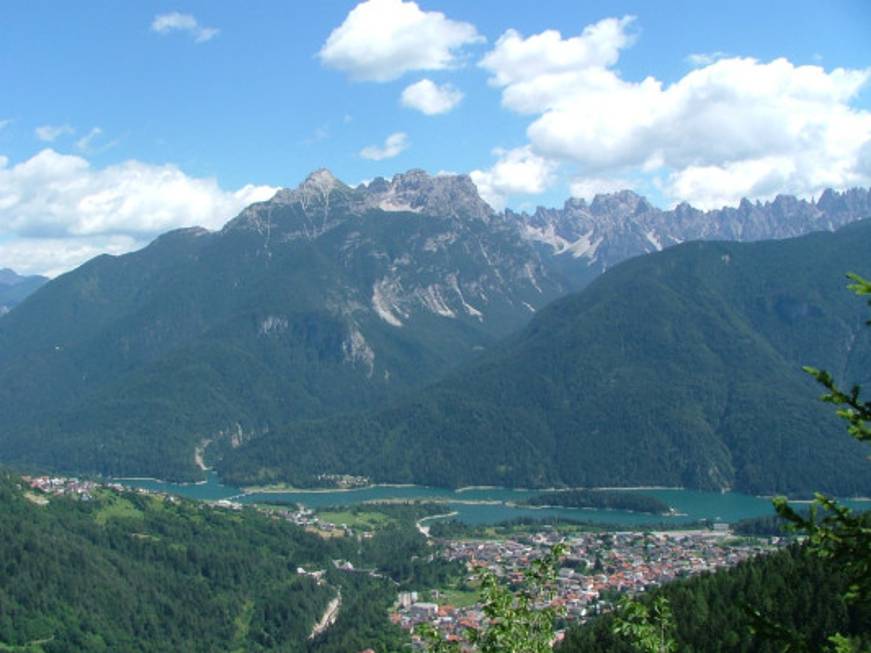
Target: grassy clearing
(32,647)
(37,499)
(458,598)
(366,521)
(242,622)
(116,508)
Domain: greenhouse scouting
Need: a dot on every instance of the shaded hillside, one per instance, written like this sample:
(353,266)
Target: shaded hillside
(664,371)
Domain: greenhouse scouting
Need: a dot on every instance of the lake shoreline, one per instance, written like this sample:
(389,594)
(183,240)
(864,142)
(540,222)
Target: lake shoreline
(275,489)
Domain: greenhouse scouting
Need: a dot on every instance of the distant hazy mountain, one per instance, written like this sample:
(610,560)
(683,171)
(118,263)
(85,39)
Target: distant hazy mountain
(681,368)
(324,300)
(14,288)
(583,239)
(321,300)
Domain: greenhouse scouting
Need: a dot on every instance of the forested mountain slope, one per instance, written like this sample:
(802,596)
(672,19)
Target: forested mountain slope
(681,368)
(125,572)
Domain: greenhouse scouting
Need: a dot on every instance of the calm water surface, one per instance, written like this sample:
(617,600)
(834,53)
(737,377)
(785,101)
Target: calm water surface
(487,506)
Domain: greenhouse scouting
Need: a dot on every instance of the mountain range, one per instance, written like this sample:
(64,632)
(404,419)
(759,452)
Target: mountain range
(14,288)
(583,240)
(328,300)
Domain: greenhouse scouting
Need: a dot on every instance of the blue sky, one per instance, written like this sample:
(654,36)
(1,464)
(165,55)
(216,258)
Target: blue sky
(118,124)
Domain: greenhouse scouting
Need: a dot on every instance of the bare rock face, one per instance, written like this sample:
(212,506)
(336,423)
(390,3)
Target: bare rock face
(446,196)
(322,202)
(614,227)
(430,245)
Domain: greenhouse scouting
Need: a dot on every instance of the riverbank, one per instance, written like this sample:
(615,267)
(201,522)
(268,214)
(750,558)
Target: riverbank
(279,488)
(424,530)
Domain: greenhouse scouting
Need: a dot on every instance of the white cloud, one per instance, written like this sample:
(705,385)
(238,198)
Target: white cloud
(5,123)
(94,142)
(515,60)
(53,256)
(49,133)
(393,145)
(699,59)
(62,211)
(177,22)
(588,187)
(730,128)
(380,40)
(517,171)
(428,97)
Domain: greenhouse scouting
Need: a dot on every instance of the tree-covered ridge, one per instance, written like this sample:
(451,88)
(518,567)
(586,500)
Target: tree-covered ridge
(133,572)
(662,372)
(602,499)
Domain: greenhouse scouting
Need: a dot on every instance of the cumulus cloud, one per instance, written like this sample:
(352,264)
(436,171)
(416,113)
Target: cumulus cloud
(393,145)
(515,59)
(380,40)
(61,210)
(430,98)
(178,22)
(517,171)
(730,128)
(49,133)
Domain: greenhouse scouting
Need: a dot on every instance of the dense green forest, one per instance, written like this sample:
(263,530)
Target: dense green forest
(768,526)
(602,499)
(662,372)
(133,572)
(791,587)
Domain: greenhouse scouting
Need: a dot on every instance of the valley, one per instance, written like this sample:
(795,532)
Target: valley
(431,326)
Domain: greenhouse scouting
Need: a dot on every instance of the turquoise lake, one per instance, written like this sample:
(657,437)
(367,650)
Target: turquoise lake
(470,506)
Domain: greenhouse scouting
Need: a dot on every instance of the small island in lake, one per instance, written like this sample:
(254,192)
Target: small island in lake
(601,499)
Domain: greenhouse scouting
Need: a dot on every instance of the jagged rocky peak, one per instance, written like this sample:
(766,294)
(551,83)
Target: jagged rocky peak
(575,204)
(414,191)
(624,202)
(316,189)
(439,195)
(855,201)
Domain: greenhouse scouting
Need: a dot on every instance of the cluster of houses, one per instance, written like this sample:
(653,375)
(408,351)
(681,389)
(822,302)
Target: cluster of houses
(597,568)
(62,486)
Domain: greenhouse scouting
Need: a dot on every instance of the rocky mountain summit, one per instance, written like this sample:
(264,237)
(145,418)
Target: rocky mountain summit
(440,248)
(322,201)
